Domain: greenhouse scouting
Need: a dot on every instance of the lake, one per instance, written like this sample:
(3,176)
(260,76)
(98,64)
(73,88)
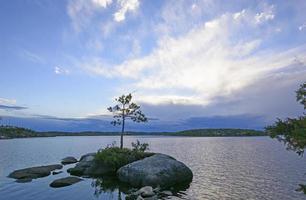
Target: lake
(223,167)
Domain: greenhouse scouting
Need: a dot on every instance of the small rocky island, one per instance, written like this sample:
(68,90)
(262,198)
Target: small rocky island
(149,175)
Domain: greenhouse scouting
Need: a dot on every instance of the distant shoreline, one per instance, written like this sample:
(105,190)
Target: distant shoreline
(248,136)
(8,132)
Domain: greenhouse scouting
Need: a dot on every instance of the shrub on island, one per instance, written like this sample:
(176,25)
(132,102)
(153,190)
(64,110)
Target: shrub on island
(115,157)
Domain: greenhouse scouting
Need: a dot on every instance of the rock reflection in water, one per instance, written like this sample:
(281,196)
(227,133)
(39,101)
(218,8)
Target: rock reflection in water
(112,186)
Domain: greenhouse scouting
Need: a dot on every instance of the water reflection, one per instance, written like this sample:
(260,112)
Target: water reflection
(111,185)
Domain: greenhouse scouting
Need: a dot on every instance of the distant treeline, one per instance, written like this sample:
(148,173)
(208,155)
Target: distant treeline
(8,132)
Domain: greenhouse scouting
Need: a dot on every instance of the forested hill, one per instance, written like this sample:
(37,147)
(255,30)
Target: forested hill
(220,132)
(8,132)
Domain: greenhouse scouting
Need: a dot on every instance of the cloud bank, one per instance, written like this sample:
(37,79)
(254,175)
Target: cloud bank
(206,63)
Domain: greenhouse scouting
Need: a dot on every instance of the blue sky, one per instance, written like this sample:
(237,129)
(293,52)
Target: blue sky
(184,60)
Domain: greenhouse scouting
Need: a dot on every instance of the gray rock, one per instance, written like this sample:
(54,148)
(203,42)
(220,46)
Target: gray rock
(83,165)
(157,189)
(88,157)
(146,191)
(63,182)
(97,170)
(57,172)
(157,170)
(167,193)
(34,172)
(151,198)
(69,160)
(87,167)
(140,198)
(24,180)
(76,171)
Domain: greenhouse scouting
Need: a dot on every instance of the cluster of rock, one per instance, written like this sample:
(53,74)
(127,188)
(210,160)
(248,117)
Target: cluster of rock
(148,193)
(158,170)
(27,174)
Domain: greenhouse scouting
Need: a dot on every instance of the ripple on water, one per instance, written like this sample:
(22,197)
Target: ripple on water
(223,168)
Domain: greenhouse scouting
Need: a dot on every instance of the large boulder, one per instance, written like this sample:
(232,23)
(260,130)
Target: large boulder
(63,182)
(157,170)
(33,172)
(69,160)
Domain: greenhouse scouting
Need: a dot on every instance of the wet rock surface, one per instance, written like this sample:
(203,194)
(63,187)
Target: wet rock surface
(27,174)
(81,167)
(63,182)
(69,160)
(157,170)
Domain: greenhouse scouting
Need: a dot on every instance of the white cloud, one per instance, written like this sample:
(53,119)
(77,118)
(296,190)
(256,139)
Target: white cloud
(239,15)
(170,99)
(31,56)
(7,101)
(206,63)
(194,6)
(82,12)
(302,27)
(102,3)
(267,15)
(59,70)
(124,7)
(107,28)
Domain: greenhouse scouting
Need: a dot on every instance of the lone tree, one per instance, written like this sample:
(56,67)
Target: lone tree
(125,109)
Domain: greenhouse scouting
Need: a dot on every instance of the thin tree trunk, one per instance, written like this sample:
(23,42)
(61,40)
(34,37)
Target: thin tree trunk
(122,132)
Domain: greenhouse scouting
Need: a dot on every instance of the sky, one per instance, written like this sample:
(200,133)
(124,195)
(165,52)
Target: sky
(189,64)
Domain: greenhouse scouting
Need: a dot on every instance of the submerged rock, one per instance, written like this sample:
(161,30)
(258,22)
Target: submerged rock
(30,173)
(157,170)
(69,160)
(63,182)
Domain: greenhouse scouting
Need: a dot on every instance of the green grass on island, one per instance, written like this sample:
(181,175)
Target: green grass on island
(9,132)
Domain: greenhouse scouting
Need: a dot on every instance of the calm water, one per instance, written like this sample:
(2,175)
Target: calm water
(224,168)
